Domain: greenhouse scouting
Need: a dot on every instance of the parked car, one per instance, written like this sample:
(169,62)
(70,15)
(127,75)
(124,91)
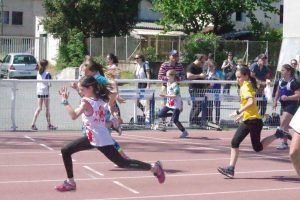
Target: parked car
(18,65)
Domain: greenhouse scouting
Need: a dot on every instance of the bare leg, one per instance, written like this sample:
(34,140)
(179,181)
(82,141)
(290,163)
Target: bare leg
(46,103)
(37,111)
(295,152)
(284,123)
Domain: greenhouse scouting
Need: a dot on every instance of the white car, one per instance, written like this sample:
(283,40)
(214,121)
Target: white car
(19,65)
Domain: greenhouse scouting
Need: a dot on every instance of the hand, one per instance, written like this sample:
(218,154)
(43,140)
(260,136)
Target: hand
(162,95)
(274,105)
(74,85)
(233,115)
(64,93)
(120,99)
(284,98)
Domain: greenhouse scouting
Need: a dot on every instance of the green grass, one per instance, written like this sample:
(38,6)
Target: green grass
(127,75)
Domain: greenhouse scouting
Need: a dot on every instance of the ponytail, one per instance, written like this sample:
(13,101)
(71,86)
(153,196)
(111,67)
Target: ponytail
(253,82)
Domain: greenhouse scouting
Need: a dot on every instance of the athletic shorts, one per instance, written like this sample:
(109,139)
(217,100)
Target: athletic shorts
(295,122)
(42,96)
(290,108)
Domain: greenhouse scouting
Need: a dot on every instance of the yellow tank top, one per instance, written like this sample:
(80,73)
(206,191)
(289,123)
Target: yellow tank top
(247,91)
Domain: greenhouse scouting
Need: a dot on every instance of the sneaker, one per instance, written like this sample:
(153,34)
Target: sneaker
(159,172)
(282,146)
(227,171)
(34,128)
(147,124)
(184,134)
(282,134)
(51,127)
(66,186)
(116,125)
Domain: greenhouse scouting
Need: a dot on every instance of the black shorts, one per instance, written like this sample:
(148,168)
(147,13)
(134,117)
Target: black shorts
(290,108)
(42,96)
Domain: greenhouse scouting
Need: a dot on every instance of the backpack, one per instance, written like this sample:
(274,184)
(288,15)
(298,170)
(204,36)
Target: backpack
(145,71)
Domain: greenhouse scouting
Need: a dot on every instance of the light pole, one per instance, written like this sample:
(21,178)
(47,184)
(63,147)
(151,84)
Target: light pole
(2,17)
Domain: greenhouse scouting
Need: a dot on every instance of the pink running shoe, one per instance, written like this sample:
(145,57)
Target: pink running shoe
(159,172)
(66,186)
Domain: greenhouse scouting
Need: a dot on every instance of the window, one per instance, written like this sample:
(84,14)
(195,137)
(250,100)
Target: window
(281,14)
(17,18)
(239,16)
(5,17)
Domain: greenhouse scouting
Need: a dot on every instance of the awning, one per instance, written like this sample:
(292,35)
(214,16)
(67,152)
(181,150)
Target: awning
(145,32)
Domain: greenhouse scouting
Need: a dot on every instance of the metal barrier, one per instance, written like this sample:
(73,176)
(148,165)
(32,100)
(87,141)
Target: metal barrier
(18,102)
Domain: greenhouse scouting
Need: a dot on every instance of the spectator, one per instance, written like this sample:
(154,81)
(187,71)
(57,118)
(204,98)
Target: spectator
(215,88)
(229,68)
(195,72)
(294,64)
(288,93)
(261,73)
(43,95)
(142,71)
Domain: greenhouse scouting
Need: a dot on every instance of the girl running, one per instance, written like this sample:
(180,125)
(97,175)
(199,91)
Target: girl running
(288,93)
(174,102)
(92,110)
(251,121)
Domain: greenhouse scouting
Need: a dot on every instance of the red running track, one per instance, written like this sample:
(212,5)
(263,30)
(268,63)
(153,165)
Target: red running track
(31,165)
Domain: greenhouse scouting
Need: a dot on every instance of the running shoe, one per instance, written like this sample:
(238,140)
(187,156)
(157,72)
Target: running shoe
(280,133)
(66,186)
(282,146)
(51,127)
(34,128)
(116,125)
(184,134)
(227,171)
(159,172)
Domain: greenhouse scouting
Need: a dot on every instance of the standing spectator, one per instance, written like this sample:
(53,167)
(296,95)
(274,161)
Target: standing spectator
(261,73)
(195,72)
(43,95)
(294,64)
(142,71)
(215,88)
(288,93)
(229,68)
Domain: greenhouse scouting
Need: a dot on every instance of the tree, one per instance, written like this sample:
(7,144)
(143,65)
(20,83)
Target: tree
(194,15)
(91,17)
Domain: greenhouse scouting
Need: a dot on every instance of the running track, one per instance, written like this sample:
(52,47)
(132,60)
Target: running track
(31,165)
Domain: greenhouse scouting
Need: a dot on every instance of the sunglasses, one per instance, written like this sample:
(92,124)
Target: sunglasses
(293,63)
(136,58)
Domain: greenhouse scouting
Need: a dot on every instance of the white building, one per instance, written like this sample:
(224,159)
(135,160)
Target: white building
(290,47)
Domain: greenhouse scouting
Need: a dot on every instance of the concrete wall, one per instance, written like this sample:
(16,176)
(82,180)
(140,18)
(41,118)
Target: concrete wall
(30,9)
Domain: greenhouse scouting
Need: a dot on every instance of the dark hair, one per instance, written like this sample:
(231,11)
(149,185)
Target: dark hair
(100,90)
(200,56)
(210,56)
(244,70)
(42,65)
(289,68)
(113,58)
(93,66)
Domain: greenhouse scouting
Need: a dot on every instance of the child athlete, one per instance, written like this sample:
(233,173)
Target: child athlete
(251,121)
(92,110)
(174,102)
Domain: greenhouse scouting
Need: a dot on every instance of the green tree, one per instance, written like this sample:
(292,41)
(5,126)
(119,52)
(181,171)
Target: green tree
(92,17)
(194,15)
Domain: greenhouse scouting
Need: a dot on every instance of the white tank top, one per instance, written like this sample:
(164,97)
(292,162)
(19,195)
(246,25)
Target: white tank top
(94,123)
(42,88)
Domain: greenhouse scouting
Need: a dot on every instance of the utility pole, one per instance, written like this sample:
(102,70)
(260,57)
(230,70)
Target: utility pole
(2,17)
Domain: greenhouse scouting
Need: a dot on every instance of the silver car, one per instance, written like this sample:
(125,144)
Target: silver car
(18,65)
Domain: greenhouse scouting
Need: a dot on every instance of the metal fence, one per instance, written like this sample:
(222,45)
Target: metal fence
(18,103)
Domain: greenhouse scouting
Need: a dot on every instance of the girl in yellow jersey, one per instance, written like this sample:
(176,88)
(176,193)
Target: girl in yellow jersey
(251,121)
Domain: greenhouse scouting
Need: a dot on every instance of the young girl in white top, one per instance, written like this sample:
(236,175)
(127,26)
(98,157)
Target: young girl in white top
(92,109)
(174,102)
(43,95)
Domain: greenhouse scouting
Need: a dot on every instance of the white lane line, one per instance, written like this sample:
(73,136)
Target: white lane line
(30,138)
(202,194)
(72,158)
(92,170)
(49,148)
(125,187)
(43,145)
(201,148)
(143,177)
